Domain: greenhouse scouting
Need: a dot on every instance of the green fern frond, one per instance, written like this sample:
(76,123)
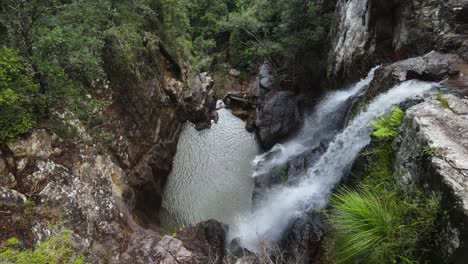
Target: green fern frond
(387,126)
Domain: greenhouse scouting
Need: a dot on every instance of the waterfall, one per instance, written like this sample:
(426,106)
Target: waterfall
(273,214)
(329,113)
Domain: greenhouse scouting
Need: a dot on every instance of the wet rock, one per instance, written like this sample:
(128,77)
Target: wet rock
(432,153)
(239,255)
(250,126)
(298,166)
(206,241)
(278,116)
(434,66)
(302,241)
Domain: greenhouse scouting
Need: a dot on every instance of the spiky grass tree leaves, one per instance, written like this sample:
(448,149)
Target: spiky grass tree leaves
(379,221)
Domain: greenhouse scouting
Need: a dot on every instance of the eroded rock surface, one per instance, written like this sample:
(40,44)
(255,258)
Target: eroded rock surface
(277,116)
(433,67)
(375,31)
(73,186)
(149,104)
(432,152)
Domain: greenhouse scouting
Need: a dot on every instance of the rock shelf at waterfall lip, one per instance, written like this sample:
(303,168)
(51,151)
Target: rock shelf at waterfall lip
(445,131)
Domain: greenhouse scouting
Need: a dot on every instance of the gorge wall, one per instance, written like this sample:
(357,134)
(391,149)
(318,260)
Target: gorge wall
(110,200)
(372,32)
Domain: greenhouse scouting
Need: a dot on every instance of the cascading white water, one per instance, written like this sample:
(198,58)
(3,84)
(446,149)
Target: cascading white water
(280,205)
(318,125)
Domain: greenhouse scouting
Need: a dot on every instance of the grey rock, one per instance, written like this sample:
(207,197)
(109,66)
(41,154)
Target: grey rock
(11,198)
(278,116)
(434,66)
(432,152)
(302,241)
(369,32)
(265,75)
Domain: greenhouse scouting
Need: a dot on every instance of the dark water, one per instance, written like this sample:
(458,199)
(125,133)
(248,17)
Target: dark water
(211,177)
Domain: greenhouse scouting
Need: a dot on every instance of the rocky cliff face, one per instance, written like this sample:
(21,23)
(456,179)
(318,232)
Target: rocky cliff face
(150,102)
(374,31)
(111,200)
(432,152)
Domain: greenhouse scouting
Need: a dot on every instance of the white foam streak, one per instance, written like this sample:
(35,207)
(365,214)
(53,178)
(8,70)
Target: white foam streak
(273,214)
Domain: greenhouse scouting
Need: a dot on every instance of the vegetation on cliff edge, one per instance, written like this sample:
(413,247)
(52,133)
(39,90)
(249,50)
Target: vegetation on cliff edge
(379,221)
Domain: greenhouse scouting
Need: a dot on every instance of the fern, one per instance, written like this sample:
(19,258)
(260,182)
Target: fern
(387,127)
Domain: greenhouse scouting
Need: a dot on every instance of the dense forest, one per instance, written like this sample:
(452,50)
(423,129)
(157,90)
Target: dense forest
(347,117)
(52,52)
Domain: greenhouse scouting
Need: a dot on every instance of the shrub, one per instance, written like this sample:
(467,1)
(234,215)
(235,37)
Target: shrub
(444,103)
(19,96)
(387,126)
(58,249)
(377,221)
(379,225)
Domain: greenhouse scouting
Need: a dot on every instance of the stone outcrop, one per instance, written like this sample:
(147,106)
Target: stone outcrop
(149,102)
(432,152)
(369,32)
(433,67)
(302,242)
(73,186)
(278,115)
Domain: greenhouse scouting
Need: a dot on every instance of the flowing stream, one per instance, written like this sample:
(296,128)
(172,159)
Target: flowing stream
(320,124)
(211,176)
(273,214)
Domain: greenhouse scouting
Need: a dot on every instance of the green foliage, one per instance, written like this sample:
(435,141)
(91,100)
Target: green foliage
(175,234)
(378,221)
(29,206)
(56,250)
(284,174)
(19,96)
(387,126)
(431,151)
(379,225)
(280,30)
(444,103)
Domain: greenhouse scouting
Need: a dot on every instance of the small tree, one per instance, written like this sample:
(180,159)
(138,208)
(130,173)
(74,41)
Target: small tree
(19,97)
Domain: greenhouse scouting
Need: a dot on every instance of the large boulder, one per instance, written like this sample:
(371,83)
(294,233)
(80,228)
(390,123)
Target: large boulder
(432,152)
(206,241)
(278,115)
(302,242)
(434,67)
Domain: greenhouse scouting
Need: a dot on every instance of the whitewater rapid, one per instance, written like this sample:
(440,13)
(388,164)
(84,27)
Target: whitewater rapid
(322,122)
(272,215)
